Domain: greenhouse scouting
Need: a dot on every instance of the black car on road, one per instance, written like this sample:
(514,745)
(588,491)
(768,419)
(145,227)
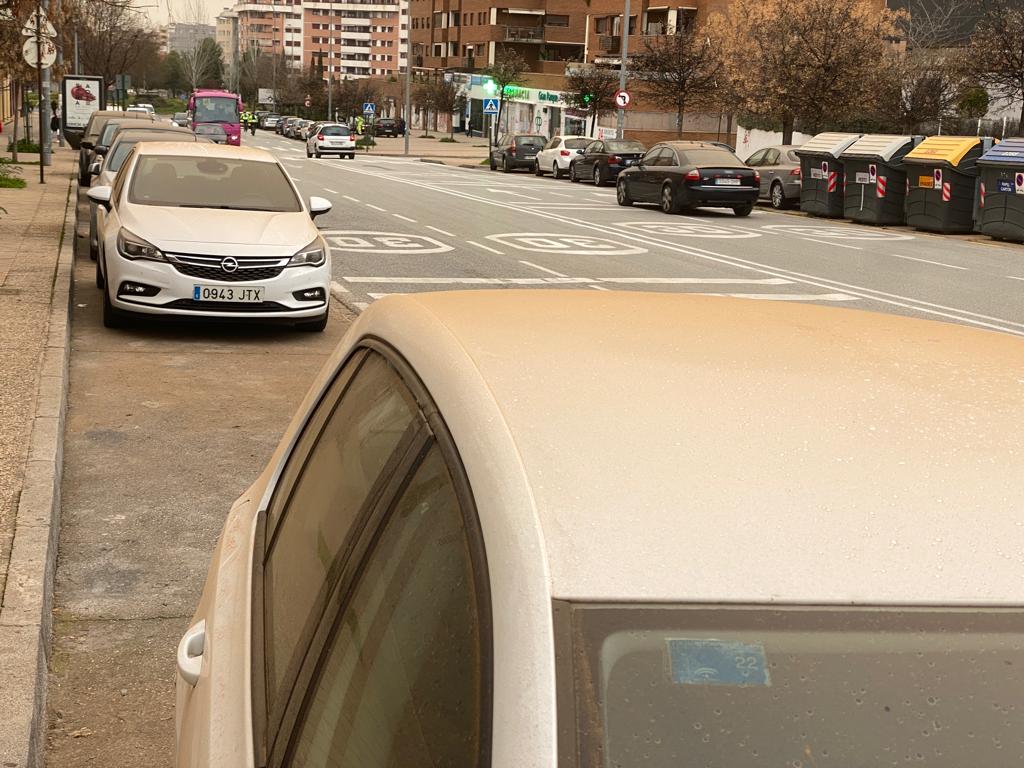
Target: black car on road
(678,175)
(602,160)
(517,150)
(388,126)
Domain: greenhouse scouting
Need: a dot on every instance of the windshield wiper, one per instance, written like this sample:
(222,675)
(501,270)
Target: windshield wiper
(226,207)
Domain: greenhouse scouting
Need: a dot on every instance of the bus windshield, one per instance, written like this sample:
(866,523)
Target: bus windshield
(216,109)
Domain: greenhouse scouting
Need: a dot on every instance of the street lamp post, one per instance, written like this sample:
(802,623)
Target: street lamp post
(620,124)
(330,63)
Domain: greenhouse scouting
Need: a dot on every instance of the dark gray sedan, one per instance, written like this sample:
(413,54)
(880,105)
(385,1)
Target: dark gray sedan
(780,175)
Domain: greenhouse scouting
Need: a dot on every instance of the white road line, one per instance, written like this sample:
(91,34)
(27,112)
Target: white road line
(441,231)
(561,194)
(788,296)
(376,207)
(330,191)
(382,280)
(1014,277)
(600,288)
(382,295)
(830,242)
(484,247)
(296,179)
(353,199)
(517,194)
(337,287)
(542,269)
(403,218)
(929,261)
(696,280)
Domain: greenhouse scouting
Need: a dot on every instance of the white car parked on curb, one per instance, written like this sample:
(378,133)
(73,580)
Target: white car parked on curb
(331,139)
(529,529)
(557,154)
(204,230)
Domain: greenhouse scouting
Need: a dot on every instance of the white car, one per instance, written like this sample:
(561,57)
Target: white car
(529,529)
(557,154)
(331,139)
(204,230)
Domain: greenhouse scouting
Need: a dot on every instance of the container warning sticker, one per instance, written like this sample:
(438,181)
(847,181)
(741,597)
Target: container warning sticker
(1018,183)
(1005,185)
(925,182)
(816,173)
(863,178)
(717,662)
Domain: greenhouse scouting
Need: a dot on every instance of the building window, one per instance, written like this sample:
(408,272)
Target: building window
(554,20)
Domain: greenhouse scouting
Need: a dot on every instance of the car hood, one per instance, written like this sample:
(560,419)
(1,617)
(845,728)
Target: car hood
(247,232)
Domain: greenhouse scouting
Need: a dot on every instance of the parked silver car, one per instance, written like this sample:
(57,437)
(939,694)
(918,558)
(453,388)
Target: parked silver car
(780,175)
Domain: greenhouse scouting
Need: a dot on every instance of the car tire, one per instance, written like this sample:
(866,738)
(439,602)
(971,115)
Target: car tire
(669,204)
(556,172)
(778,196)
(743,210)
(506,166)
(317,155)
(537,170)
(308,153)
(94,249)
(622,194)
(314,326)
(599,178)
(572,174)
(494,165)
(112,318)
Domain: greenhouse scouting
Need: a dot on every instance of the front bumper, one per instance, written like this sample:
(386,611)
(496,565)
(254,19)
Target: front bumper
(173,292)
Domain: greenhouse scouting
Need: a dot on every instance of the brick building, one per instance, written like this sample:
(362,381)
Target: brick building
(356,38)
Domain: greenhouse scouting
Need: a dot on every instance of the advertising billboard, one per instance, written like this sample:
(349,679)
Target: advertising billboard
(81,95)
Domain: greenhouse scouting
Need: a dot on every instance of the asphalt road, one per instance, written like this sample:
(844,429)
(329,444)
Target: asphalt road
(403,225)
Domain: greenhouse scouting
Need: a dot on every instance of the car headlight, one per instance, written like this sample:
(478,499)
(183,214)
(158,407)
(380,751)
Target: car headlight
(134,247)
(313,255)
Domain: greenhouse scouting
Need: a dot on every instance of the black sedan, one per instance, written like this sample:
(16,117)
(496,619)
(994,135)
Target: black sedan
(387,126)
(681,174)
(602,161)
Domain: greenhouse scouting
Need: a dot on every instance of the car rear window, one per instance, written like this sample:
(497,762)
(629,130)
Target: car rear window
(335,130)
(577,143)
(212,182)
(710,157)
(624,146)
(530,141)
(121,148)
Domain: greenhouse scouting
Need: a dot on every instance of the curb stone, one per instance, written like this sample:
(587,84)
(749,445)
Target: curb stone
(26,616)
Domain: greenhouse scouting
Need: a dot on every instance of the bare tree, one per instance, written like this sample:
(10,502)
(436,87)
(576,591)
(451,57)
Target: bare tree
(110,38)
(200,60)
(807,61)
(508,67)
(679,69)
(997,50)
(591,90)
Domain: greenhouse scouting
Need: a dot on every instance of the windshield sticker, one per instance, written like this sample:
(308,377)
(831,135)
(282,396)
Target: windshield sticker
(717,662)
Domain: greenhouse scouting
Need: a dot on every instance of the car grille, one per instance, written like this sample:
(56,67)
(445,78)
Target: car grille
(209,267)
(227,306)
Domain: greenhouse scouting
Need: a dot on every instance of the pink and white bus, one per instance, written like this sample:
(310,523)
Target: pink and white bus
(221,107)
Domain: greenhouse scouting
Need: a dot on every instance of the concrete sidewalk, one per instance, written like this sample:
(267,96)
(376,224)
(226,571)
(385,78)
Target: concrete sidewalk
(36,241)
(464,151)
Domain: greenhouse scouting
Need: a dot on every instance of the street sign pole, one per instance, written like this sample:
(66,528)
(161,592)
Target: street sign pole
(620,125)
(408,93)
(39,92)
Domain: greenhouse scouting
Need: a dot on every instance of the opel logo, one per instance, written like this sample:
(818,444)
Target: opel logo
(229,264)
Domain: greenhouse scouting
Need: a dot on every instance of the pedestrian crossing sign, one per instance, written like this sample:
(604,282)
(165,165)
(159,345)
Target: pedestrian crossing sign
(369,108)
(490,106)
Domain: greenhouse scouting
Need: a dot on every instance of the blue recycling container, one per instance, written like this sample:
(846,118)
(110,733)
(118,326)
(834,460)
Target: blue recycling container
(1001,195)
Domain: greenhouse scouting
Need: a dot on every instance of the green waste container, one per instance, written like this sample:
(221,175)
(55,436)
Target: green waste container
(821,173)
(942,183)
(876,180)
(1001,193)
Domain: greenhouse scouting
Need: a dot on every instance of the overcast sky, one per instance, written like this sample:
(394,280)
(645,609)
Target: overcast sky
(182,10)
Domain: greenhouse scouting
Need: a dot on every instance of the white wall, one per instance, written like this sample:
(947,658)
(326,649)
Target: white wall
(749,140)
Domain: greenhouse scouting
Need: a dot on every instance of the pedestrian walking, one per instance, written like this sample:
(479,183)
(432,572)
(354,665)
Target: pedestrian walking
(54,118)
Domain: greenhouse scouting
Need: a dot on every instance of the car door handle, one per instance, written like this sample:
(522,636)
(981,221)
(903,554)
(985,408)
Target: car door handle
(190,652)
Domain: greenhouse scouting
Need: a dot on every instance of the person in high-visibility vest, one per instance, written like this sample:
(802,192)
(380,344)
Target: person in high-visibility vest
(359,124)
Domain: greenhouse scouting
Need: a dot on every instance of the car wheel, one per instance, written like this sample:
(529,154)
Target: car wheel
(308,153)
(622,194)
(506,166)
(94,249)
(537,170)
(743,210)
(317,155)
(112,318)
(494,165)
(778,197)
(314,326)
(668,200)
(572,174)
(556,171)
(598,176)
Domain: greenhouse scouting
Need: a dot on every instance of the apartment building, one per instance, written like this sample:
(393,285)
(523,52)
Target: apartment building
(356,38)
(184,37)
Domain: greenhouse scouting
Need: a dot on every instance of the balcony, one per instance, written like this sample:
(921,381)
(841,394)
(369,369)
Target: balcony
(524,35)
(609,43)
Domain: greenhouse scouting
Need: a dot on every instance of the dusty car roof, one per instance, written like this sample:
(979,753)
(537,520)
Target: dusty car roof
(204,150)
(671,447)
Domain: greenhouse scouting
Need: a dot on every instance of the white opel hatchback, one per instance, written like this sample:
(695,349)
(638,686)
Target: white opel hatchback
(203,230)
(540,529)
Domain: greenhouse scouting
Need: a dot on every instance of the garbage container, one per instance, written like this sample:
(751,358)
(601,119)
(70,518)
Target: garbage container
(821,173)
(942,181)
(1001,191)
(876,179)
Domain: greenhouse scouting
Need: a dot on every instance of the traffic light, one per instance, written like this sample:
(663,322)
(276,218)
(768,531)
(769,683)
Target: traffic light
(587,98)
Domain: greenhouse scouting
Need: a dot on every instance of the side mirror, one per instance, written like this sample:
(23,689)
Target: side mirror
(102,150)
(580,151)
(317,206)
(86,144)
(94,169)
(100,196)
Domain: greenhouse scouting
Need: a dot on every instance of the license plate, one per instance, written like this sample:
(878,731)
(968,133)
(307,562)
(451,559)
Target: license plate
(728,182)
(249,294)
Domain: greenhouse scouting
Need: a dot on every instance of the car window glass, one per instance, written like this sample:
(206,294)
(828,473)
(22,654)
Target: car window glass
(594,146)
(115,193)
(651,156)
(553,143)
(335,130)
(712,157)
(402,680)
(624,146)
(756,158)
(667,157)
(108,133)
(576,143)
(771,157)
(530,141)
(356,443)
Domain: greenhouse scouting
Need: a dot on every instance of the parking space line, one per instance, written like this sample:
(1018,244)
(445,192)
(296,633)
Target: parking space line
(929,261)
(330,191)
(542,269)
(788,296)
(376,207)
(485,247)
(353,199)
(1015,277)
(441,231)
(338,287)
(827,242)
(697,280)
(403,218)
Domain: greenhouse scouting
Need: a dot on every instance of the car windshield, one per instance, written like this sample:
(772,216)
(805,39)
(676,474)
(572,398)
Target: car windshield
(624,146)
(216,109)
(122,147)
(667,686)
(576,143)
(212,182)
(335,130)
(710,157)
